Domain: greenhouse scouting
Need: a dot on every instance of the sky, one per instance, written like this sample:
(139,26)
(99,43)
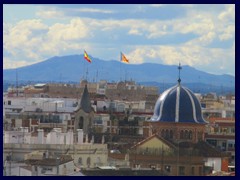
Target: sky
(198,35)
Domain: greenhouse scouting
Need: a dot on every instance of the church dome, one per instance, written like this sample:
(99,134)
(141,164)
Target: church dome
(178,104)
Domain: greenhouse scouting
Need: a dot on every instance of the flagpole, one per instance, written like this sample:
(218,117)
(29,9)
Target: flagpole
(125,75)
(87,73)
(120,67)
(84,69)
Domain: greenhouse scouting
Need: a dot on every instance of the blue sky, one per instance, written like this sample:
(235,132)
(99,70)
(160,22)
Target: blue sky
(202,36)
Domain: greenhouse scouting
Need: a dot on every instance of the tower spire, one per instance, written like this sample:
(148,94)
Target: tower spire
(179,69)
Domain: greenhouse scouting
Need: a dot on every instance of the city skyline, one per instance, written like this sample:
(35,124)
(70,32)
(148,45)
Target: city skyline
(196,35)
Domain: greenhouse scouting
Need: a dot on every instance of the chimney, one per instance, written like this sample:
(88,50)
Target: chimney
(40,136)
(103,139)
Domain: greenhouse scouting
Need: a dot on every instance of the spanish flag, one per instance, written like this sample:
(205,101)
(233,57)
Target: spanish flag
(87,57)
(123,58)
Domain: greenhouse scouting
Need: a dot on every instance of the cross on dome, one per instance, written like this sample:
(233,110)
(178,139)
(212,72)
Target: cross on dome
(179,69)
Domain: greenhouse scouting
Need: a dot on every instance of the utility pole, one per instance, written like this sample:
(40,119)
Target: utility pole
(110,117)
(16,82)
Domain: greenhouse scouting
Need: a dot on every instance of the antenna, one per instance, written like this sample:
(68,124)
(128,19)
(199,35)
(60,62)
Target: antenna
(97,76)
(179,69)
(17,82)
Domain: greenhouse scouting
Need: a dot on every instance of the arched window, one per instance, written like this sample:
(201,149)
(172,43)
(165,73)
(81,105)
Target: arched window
(88,162)
(171,134)
(98,161)
(80,161)
(199,135)
(167,134)
(190,134)
(80,123)
(181,134)
(186,134)
(163,133)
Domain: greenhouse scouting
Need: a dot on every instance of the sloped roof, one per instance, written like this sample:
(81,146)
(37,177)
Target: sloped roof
(85,103)
(150,138)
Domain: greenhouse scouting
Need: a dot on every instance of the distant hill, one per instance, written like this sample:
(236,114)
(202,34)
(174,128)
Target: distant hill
(73,68)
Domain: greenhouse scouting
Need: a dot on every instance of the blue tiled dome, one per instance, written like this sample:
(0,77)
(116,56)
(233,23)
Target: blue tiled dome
(178,104)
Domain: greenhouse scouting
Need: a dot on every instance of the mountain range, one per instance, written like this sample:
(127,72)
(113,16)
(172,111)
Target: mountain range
(73,68)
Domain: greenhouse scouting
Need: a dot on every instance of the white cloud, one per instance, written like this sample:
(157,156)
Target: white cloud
(207,38)
(150,29)
(134,32)
(47,14)
(228,14)
(203,40)
(21,35)
(157,5)
(137,56)
(196,56)
(91,10)
(156,29)
(76,29)
(187,5)
(198,24)
(12,64)
(33,40)
(228,33)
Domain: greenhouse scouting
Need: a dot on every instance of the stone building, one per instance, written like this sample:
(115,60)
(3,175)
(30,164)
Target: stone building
(84,114)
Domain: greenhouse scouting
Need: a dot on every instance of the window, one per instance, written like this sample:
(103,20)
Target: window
(181,134)
(163,133)
(200,171)
(181,170)
(167,134)
(190,134)
(199,135)
(47,169)
(167,168)
(80,161)
(88,161)
(186,134)
(80,124)
(98,161)
(192,171)
(171,134)
(9,102)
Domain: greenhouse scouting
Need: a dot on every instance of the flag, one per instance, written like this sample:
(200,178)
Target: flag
(123,58)
(87,57)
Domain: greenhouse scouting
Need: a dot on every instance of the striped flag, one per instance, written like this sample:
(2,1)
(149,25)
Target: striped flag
(87,57)
(123,58)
